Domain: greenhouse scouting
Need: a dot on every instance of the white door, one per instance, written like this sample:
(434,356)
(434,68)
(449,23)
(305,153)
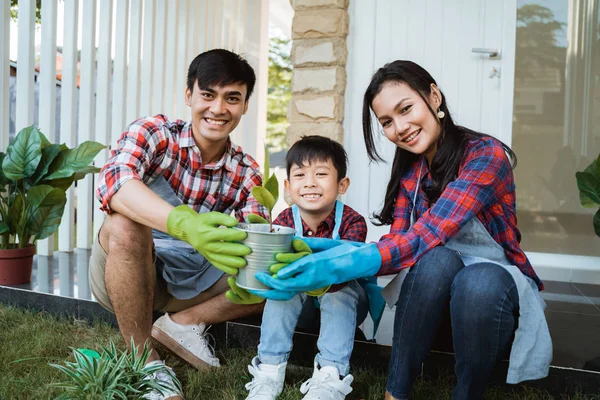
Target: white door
(455,41)
(553,123)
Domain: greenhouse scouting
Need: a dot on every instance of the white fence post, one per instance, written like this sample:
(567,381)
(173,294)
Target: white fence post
(103,94)
(47,105)
(86,121)
(251,135)
(133,69)
(183,41)
(4,74)
(171,58)
(68,112)
(25,65)
(149,36)
(120,71)
(158,80)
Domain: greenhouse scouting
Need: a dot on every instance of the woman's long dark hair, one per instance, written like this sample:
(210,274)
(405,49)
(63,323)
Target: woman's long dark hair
(451,143)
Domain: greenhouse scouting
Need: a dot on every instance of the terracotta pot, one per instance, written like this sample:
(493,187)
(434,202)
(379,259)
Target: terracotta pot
(15,265)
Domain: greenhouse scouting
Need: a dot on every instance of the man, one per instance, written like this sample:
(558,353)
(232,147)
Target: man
(166,189)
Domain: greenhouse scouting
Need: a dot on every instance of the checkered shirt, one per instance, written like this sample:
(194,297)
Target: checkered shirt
(484,188)
(154,146)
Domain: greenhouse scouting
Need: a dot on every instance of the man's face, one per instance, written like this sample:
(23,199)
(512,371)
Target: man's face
(216,111)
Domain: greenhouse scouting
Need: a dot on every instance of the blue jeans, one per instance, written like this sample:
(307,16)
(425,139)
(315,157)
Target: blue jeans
(483,303)
(338,324)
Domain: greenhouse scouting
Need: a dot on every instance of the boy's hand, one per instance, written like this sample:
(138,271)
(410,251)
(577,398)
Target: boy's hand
(237,295)
(301,250)
(203,233)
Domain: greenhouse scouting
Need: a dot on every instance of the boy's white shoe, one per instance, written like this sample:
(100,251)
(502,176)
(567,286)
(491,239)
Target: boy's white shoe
(189,342)
(267,381)
(326,384)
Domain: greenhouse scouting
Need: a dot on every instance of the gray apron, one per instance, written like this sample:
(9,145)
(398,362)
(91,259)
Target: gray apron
(185,271)
(531,351)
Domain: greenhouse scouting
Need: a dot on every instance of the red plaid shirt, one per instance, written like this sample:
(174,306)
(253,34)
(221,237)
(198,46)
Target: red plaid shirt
(484,188)
(353,227)
(154,146)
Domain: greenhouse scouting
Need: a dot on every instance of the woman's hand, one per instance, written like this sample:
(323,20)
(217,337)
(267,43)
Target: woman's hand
(339,264)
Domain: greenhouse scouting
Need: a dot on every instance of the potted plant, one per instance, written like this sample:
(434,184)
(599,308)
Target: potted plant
(264,239)
(588,182)
(34,176)
(112,374)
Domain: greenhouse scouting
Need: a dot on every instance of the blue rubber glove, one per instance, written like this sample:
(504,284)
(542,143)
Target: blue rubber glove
(339,264)
(321,244)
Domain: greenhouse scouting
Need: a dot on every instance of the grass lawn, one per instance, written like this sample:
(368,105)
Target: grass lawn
(29,341)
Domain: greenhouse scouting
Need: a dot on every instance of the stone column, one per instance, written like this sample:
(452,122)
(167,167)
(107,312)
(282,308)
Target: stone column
(319,54)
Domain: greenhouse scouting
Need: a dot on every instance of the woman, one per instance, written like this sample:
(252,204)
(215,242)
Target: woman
(451,205)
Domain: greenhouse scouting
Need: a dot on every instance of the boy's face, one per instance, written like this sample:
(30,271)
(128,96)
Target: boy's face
(314,187)
(216,111)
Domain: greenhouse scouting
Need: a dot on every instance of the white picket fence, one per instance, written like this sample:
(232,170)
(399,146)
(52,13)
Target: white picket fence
(133,62)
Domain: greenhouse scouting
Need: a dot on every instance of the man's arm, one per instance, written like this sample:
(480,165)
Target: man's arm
(136,201)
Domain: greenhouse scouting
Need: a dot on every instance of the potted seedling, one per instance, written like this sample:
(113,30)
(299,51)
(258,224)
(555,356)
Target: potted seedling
(34,176)
(588,182)
(264,239)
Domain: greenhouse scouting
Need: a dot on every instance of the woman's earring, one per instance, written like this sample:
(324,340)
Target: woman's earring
(441,114)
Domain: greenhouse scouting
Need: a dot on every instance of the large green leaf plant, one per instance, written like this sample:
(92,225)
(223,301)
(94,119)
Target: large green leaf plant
(266,195)
(588,182)
(34,176)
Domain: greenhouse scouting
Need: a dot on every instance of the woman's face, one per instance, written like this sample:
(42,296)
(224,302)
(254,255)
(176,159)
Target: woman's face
(406,119)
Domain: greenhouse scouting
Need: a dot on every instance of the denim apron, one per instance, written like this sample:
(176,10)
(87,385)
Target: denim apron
(372,290)
(531,351)
(185,271)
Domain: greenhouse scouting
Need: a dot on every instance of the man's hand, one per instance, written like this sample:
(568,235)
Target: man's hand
(203,233)
(237,295)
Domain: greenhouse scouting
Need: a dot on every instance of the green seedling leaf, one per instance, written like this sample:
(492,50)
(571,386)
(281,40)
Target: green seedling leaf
(272,185)
(68,162)
(589,188)
(266,165)
(253,219)
(263,196)
(23,154)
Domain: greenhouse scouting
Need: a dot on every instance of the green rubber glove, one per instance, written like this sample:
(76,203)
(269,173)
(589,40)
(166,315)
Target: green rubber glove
(301,249)
(237,295)
(203,233)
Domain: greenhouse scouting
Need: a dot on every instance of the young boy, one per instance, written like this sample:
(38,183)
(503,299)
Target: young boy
(316,170)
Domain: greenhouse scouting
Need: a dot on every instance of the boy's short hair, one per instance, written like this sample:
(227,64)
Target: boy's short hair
(220,67)
(317,148)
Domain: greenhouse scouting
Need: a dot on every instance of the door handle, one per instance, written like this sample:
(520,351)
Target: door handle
(493,53)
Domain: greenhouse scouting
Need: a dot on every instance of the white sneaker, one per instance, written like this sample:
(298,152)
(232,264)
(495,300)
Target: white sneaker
(326,384)
(266,385)
(165,376)
(189,342)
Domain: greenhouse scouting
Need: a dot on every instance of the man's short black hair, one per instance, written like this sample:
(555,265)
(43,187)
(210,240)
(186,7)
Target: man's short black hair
(220,67)
(317,148)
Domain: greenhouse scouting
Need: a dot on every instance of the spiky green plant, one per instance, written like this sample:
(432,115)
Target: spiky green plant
(111,374)
(266,195)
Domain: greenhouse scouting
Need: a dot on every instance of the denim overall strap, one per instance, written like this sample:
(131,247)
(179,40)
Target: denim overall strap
(391,291)
(185,271)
